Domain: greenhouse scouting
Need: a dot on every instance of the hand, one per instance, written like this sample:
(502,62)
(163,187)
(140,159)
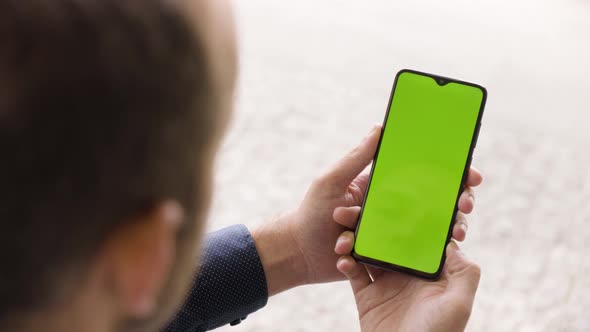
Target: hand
(304,239)
(392,301)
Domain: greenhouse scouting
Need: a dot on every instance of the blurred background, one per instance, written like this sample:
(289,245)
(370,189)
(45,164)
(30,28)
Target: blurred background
(315,75)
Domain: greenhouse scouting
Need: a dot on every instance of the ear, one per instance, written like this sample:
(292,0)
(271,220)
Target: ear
(138,258)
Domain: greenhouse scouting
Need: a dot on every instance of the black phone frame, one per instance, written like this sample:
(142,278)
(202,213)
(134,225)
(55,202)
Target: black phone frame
(441,80)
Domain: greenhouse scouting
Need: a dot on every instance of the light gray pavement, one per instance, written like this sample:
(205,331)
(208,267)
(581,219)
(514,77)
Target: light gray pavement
(316,74)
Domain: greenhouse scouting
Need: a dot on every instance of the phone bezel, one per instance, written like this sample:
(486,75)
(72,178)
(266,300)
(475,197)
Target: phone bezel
(399,268)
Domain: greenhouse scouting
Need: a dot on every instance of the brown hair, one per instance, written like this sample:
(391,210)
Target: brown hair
(104,110)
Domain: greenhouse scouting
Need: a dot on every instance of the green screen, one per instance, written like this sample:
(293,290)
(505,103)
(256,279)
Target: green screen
(418,172)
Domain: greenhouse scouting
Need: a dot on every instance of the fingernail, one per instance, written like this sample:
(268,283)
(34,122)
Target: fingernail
(372,132)
(344,237)
(375,126)
(348,235)
(340,240)
(463,227)
(337,244)
(339,261)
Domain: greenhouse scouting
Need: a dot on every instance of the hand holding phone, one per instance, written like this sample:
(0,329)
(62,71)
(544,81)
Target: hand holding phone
(391,301)
(408,303)
(405,300)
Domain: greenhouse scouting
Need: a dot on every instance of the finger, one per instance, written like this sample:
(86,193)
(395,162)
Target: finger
(463,276)
(467,200)
(362,180)
(347,216)
(349,167)
(358,187)
(474,177)
(355,272)
(344,243)
(460,227)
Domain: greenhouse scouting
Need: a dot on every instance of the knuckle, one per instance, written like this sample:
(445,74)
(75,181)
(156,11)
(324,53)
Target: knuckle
(356,193)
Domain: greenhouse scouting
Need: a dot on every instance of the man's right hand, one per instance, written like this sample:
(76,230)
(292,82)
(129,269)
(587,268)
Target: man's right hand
(392,301)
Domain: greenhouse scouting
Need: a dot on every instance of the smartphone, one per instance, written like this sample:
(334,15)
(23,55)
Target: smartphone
(419,171)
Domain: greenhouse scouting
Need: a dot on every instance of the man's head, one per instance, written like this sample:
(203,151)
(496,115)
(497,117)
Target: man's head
(110,115)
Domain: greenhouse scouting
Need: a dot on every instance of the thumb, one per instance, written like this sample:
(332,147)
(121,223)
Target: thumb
(463,276)
(355,161)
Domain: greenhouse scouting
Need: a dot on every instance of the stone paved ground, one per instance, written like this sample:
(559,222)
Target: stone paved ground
(316,75)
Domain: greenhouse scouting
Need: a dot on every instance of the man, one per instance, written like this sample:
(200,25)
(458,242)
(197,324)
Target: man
(111,113)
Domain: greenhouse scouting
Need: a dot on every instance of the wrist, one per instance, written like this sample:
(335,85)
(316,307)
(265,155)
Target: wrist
(282,259)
